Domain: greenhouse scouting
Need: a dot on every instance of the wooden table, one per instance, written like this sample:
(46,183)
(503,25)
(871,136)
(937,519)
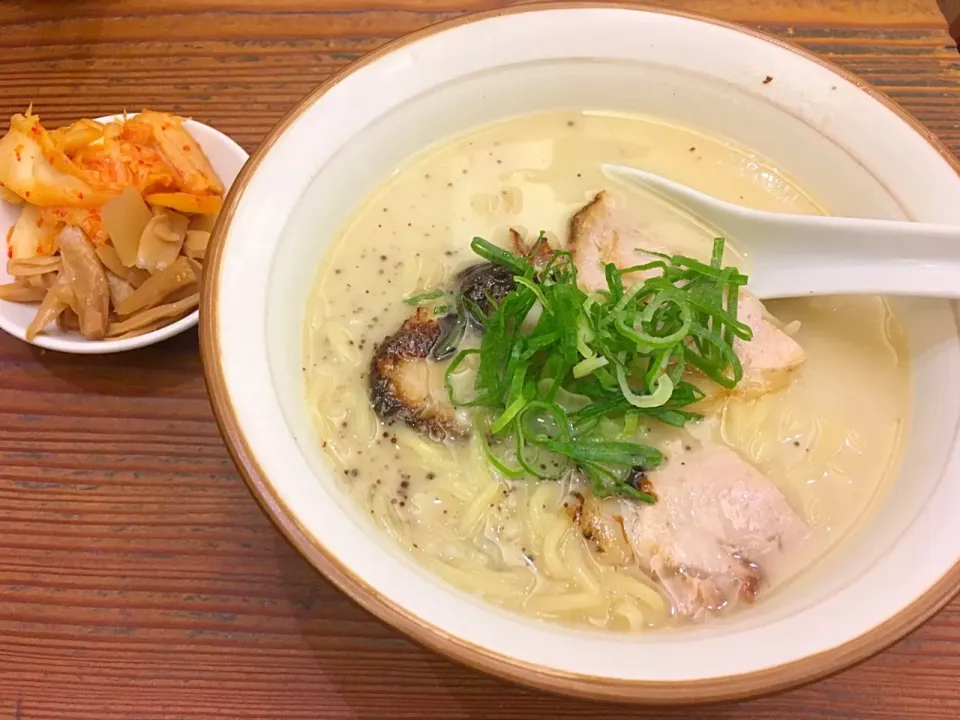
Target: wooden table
(138,579)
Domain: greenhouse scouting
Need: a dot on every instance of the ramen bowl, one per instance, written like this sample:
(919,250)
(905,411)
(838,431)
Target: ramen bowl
(854,149)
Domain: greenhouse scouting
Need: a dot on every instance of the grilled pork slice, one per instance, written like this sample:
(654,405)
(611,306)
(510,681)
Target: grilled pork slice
(770,356)
(718,530)
(406,385)
(601,233)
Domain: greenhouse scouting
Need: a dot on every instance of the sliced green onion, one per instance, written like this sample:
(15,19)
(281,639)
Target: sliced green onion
(655,265)
(658,364)
(488,251)
(647,341)
(655,253)
(733,298)
(515,402)
(521,280)
(713,371)
(716,257)
(681,317)
(585,367)
(501,467)
(554,266)
(610,452)
(628,296)
(585,336)
(448,381)
(660,395)
(424,297)
(529,467)
(614,281)
(557,413)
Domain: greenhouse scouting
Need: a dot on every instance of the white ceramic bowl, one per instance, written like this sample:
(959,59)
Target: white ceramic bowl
(854,149)
(226,157)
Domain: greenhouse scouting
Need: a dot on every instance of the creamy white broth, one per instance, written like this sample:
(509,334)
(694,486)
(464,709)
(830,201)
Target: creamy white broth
(827,441)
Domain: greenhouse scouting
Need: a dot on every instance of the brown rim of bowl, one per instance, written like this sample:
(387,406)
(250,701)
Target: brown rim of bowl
(687,692)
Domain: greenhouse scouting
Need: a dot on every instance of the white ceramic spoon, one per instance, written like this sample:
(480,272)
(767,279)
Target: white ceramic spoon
(797,255)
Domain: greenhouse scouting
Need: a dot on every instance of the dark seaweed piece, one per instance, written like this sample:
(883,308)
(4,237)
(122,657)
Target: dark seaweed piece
(483,285)
(453,325)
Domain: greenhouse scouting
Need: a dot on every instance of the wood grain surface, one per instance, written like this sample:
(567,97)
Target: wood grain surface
(138,579)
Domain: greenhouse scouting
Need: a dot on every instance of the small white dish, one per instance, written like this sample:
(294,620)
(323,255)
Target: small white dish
(854,149)
(227,158)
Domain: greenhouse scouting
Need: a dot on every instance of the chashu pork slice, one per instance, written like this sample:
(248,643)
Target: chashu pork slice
(601,233)
(770,356)
(406,385)
(718,530)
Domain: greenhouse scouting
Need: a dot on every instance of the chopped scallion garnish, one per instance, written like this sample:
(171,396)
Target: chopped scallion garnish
(622,353)
(424,297)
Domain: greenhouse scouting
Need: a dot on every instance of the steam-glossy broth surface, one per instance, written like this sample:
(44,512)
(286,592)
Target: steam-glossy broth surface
(827,441)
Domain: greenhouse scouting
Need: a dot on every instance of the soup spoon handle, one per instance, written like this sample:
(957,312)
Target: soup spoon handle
(799,255)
